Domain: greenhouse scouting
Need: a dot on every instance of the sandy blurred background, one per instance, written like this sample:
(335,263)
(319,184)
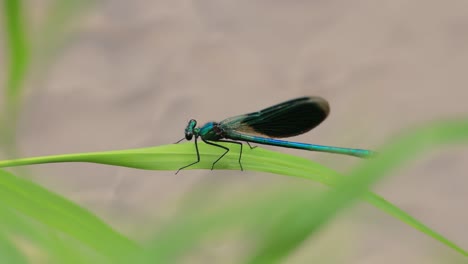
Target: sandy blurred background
(130,74)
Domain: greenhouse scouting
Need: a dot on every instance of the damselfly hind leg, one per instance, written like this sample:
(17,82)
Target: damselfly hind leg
(240,154)
(225,148)
(250,146)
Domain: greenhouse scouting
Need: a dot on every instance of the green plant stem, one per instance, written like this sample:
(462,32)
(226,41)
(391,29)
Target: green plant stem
(17,48)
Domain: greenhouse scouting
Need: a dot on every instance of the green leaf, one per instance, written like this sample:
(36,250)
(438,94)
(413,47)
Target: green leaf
(174,156)
(10,253)
(344,191)
(18,51)
(396,154)
(24,205)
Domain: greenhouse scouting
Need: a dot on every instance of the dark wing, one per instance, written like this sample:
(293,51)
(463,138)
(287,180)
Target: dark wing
(287,119)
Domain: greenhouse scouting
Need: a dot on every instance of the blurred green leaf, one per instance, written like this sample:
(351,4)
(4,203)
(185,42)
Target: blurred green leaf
(396,154)
(68,228)
(18,49)
(10,253)
(292,217)
(20,46)
(18,62)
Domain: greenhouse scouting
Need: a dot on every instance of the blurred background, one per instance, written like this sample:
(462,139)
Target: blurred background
(108,75)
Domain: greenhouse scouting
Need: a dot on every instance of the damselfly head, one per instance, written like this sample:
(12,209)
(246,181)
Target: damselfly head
(189,130)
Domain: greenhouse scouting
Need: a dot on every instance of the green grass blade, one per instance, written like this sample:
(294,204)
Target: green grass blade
(18,50)
(396,154)
(56,213)
(187,230)
(44,243)
(9,252)
(396,212)
(172,157)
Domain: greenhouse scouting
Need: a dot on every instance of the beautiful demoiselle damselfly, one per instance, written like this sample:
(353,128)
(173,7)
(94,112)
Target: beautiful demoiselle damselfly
(287,119)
